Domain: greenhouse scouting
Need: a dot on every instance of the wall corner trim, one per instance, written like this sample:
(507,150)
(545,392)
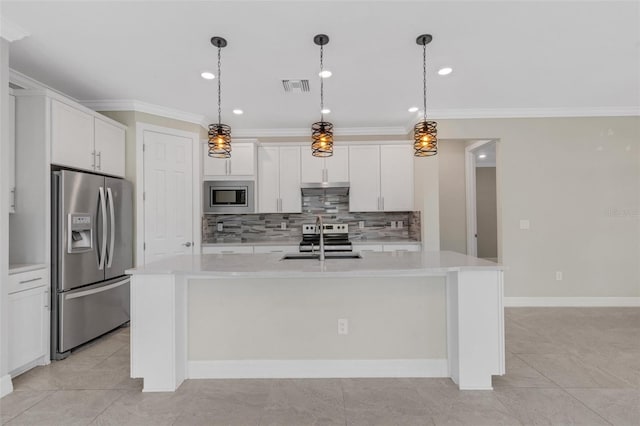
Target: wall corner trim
(520,302)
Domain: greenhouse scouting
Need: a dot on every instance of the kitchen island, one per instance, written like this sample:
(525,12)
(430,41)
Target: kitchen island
(422,314)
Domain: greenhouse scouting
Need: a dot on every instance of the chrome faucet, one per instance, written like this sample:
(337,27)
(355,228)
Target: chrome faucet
(321,230)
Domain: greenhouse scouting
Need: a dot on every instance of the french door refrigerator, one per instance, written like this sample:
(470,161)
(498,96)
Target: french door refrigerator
(92,245)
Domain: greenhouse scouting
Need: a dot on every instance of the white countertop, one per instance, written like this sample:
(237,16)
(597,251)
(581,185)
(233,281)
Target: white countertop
(270,265)
(18,268)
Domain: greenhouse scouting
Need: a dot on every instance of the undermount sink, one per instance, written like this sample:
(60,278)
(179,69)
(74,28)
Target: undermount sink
(316,256)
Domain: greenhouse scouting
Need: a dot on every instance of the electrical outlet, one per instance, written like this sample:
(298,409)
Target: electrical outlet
(220,227)
(399,224)
(361,224)
(558,275)
(283,225)
(343,326)
(393,224)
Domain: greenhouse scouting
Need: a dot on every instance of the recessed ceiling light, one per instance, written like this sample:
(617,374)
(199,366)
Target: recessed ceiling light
(207,75)
(325,73)
(413,109)
(238,111)
(325,111)
(482,156)
(445,71)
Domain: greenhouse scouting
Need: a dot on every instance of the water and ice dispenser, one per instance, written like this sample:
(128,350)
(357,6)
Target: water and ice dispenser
(80,233)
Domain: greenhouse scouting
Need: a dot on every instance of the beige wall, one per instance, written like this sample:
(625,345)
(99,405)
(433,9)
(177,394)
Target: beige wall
(297,319)
(577,180)
(486,212)
(452,211)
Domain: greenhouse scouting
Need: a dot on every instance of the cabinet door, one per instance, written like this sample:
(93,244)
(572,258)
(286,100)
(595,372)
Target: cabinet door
(12,154)
(312,168)
(268,179)
(337,166)
(213,166)
(242,159)
(396,177)
(71,137)
(364,176)
(26,326)
(290,196)
(243,249)
(109,146)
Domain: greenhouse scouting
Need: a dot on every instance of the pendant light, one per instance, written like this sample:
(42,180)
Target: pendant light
(425,134)
(321,131)
(219,134)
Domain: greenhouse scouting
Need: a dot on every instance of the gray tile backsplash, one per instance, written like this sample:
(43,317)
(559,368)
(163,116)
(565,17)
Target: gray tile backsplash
(267,227)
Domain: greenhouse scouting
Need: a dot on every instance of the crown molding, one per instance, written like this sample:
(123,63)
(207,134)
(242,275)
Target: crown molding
(139,106)
(302,132)
(477,113)
(534,112)
(11,31)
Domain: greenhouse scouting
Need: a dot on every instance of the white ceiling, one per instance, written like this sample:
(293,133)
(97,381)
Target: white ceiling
(509,58)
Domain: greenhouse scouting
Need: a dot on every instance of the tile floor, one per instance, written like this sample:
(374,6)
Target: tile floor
(565,366)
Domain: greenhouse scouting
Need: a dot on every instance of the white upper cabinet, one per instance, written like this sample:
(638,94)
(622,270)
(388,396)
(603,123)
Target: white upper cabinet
(279,179)
(12,154)
(71,137)
(396,177)
(85,141)
(381,178)
(364,178)
(329,169)
(241,163)
(109,147)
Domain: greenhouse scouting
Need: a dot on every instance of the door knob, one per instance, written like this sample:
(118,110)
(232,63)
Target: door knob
(187,244)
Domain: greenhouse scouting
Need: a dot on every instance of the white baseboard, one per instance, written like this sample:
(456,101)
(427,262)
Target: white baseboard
(6,386)
(272,369)
(512,302)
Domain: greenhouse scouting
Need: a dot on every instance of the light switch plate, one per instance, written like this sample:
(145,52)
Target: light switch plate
(220,227)
(283,225)
(525,224)
(361,224)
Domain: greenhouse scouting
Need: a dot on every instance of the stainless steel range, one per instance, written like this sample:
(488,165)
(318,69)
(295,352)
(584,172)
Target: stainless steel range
(336,237)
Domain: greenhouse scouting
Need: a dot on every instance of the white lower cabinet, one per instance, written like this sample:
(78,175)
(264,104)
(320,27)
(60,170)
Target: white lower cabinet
(367,247)
(239,249)
(28,329)
(275,249)
(402,247)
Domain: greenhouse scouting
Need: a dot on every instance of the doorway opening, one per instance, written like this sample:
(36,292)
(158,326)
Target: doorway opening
(482,200)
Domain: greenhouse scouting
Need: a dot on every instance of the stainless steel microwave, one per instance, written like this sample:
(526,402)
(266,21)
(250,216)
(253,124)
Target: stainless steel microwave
(228,196)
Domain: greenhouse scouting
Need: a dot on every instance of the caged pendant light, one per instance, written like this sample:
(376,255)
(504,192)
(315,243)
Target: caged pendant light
(219,134)
(321,131)
(425,134)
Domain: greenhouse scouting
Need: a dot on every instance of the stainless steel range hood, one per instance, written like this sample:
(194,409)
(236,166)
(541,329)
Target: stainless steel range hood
(324,188)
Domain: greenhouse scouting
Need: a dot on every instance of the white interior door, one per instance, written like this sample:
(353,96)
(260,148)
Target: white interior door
(168,195)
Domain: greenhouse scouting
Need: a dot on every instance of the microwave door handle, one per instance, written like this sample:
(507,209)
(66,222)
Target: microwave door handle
(103,211)
(113,229)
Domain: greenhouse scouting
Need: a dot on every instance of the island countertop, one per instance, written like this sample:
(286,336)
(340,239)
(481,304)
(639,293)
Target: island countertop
(373,264)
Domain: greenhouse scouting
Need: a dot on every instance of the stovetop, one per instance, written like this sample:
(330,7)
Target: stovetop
(336,237)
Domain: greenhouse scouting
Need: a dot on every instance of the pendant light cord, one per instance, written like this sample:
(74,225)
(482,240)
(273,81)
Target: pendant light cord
(321,83)
(424,80)
(219,96)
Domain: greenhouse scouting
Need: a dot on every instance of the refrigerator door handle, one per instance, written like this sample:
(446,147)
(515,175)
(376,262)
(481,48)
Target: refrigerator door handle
(103,209)
(112,237)
(96,290)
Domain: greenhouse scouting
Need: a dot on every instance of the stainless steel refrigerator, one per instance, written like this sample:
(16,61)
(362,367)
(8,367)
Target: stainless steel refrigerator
(92,245)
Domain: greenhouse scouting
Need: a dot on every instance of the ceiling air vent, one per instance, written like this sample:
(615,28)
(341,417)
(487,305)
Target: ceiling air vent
(295,86)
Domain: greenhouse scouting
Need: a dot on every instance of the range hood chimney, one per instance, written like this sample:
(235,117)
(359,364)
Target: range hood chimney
(324,188)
